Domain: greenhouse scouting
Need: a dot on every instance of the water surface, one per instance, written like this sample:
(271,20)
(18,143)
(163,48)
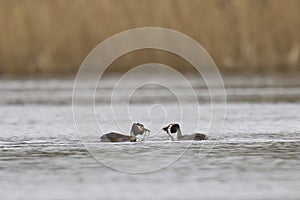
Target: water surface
(257,156)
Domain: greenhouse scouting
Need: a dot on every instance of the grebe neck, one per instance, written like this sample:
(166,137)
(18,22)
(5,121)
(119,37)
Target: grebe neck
(179,133)
(132,138)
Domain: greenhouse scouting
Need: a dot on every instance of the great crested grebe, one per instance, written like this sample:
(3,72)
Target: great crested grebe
(175,128)
(136,129)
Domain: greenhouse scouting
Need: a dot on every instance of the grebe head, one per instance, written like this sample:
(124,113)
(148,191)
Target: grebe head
(171,128)
(138,129)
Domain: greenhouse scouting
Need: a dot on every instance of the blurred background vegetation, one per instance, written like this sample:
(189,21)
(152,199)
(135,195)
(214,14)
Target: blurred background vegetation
(54,36)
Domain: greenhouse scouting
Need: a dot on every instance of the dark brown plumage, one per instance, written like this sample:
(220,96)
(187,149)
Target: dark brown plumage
(117,137)
(136,129)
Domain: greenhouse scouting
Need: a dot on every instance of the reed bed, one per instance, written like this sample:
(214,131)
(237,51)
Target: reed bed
(54,36)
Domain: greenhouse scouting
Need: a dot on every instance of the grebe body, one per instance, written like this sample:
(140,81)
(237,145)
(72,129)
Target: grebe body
(136,129)
(175,129)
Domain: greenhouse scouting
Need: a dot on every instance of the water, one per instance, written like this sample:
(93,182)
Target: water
(257,156)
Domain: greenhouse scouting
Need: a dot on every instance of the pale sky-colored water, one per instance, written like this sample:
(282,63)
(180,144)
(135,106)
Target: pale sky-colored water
(257,156)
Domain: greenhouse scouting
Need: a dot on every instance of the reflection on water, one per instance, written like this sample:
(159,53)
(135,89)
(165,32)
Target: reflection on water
(257,156)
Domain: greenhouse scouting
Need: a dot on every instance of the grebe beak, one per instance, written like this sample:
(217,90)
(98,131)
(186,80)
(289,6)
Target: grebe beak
(146,130)
(166,129)
(146,133)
